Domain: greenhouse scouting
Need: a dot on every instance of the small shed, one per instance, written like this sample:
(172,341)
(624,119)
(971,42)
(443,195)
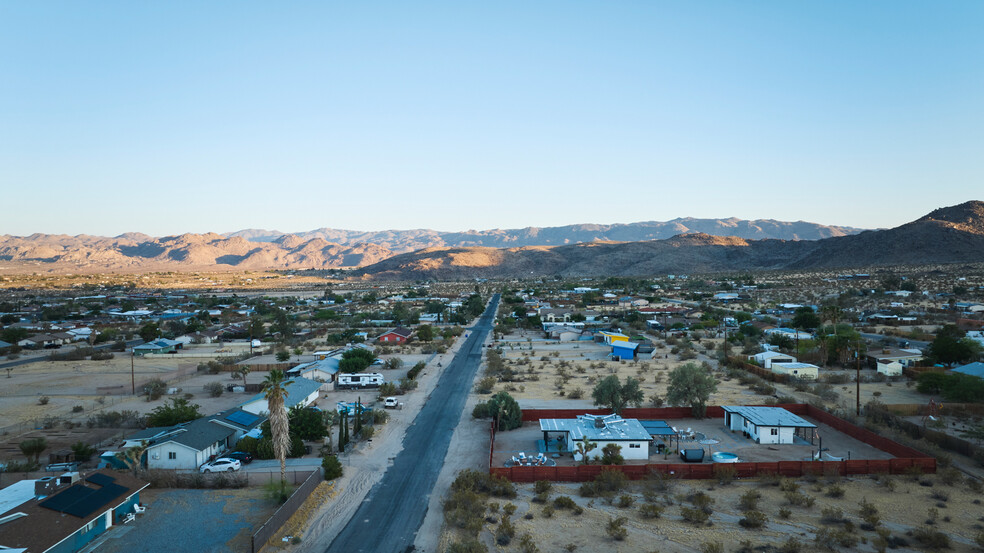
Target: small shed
(624,350)
(804,371)
(767,425)
(888,367)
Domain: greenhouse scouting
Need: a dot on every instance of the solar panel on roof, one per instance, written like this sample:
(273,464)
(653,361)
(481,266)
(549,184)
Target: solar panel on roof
(81,501)
(242,418)
(100,479)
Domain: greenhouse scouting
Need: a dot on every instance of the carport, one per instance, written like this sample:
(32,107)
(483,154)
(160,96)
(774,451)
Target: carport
(659,430)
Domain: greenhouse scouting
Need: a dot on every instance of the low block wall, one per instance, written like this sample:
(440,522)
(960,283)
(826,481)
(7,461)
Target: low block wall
(905,457)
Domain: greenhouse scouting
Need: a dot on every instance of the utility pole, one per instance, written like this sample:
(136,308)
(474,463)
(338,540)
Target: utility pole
(133,382)
(857,354)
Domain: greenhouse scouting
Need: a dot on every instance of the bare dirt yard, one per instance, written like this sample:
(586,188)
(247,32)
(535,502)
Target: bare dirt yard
(825,513)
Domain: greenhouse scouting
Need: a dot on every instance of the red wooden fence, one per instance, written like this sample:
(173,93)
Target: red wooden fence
(905,457)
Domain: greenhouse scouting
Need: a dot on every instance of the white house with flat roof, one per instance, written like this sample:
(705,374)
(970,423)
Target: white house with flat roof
(767,358)
(806,371)
(602,430)
(766,425)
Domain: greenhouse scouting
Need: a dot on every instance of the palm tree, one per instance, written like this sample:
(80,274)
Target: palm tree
(275,391)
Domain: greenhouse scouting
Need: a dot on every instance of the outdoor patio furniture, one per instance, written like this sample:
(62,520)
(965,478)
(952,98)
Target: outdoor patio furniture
(129,518)
(514,460)
(139,509)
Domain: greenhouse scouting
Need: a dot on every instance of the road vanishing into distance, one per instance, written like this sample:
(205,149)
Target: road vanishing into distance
(392,513)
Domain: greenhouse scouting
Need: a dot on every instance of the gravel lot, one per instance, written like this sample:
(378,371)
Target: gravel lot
(204,521)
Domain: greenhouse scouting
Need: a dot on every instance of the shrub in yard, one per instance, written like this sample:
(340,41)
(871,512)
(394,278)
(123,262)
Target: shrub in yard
(214,389)
(753,520)
(542,486)
(787,485)
(548,511)
(724,473)
(833,539)
(785,513)
(504,534)
(949,476)
(332,467)
(527,544)
(694,516)
(931,539)
(485,385)
(469,545)
(712,547)
(616,528)
(791,545)
(835,491)
(799,499)
(43,400)
(749,500)
(650,511)
(831,515)
(564,502)
(625,501)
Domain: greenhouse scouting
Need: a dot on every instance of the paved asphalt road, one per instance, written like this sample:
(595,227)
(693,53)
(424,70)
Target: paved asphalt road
(390,516)
(877,338)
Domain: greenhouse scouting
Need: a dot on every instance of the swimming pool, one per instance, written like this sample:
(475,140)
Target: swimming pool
(724,457)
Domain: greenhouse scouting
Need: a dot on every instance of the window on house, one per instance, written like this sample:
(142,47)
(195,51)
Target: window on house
(775,431)
(634,446)
(172,455)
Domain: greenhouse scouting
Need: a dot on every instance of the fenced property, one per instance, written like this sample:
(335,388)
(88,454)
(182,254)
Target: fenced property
(904,459)
(287,510)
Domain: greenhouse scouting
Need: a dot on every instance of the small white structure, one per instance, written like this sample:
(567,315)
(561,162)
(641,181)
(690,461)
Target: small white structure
(364,380)
(767,358)
(765,425)
(602,430)
(806,371)
(889,367)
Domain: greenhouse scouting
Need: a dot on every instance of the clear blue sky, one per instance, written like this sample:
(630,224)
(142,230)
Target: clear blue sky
(169,117)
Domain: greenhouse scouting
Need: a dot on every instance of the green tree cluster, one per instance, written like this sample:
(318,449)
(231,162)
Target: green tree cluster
(177,412)
(691,384)
(356,360)
(503,409)
(617,396)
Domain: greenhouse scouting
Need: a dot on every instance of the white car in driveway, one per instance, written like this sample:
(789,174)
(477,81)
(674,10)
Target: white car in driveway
(222,465)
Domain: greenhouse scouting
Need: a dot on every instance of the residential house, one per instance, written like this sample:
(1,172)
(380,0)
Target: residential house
(611,337)
(157,347)
(300,391)
(767,358)
(972,369)
(766,425)
(398,335)
(602,430)
(906,357)
(191,444)
(888,367)
(804,371)
(64,514)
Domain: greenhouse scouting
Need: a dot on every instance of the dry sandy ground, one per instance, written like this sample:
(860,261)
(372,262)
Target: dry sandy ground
(905,509)
(587,364)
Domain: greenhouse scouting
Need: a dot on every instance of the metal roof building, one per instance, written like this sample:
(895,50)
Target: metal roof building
(766,425)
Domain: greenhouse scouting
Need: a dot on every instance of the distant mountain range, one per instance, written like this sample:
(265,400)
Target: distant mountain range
(947,235)
(403,241)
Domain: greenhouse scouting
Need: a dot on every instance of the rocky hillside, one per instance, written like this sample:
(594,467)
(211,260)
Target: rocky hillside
(403,241)
(136,252)
(949,235)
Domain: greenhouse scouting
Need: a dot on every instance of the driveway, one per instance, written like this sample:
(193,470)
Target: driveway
(204,521)
(392,513)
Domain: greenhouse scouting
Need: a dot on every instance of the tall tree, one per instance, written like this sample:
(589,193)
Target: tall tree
(617,396)
(275,391)
(691,384)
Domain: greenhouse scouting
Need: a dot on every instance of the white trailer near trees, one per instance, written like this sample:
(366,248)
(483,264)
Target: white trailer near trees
(359,381)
